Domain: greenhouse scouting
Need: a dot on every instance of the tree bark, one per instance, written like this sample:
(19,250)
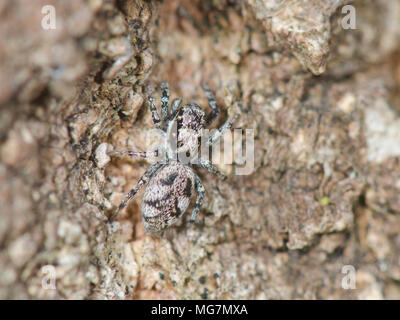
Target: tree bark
(322,101)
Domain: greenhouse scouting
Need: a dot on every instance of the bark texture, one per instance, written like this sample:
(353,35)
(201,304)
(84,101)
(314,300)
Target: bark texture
(323,102)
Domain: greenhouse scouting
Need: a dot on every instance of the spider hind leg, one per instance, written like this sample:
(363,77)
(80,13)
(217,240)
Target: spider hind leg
(199,200)
(142,181)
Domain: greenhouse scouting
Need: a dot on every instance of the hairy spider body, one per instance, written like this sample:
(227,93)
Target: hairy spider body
(167,196)
(171,182)
(184,131)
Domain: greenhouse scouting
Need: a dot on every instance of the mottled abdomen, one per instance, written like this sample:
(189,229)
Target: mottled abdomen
(167,196)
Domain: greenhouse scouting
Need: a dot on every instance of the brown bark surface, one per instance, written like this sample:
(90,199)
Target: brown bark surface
(323,102)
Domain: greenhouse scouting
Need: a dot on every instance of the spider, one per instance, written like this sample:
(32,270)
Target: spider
(170,181)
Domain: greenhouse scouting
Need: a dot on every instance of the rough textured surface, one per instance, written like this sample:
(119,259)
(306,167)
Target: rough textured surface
(325,191)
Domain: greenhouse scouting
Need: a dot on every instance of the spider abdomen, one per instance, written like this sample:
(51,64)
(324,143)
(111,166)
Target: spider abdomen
(167,196)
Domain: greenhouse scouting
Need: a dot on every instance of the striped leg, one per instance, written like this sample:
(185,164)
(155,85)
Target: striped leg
(211,101)
(199,200)
(154,113)
(134,154)
(142,181)
(222,130)
(210,168)
(175,107)
(164,100)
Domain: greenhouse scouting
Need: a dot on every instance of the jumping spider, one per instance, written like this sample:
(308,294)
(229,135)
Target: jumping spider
(171,182)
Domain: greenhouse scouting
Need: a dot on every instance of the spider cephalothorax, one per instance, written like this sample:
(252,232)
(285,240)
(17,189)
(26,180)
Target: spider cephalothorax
(171,181)
(184,131)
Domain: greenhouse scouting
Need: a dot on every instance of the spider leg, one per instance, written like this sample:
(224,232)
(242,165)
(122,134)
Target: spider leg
(199,200)
(222,130)
(210,168)
(211,101)
(175,107)
(134,154)
(142,181)
(164,100)
(154,113)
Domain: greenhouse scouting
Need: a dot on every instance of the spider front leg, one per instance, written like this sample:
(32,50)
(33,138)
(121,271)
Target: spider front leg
(164,100)
(154,113)
(175,107)
(211,101)
(142,181)
(199,200)
(206,164)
